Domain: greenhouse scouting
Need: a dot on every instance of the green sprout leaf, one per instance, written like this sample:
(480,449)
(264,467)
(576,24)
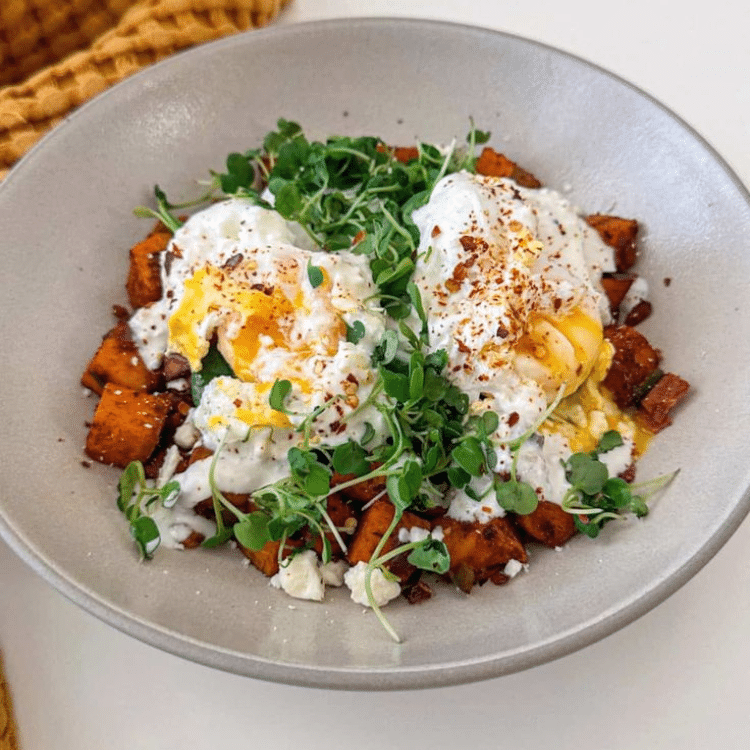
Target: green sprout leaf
(432,556)
(279,391)
(469,456)
(252,531)
(213,365)
(517,497)
(355,332)
(130,478)
(611,439)
(586,473)
(315,275)
(145,532)
(350,458)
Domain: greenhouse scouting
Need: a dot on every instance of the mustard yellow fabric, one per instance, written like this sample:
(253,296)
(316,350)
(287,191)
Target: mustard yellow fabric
(56,54)
(8,735)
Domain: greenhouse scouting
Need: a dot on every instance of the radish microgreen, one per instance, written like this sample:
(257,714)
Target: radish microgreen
(314,275)
(137,498)
(595,498)
(355,332)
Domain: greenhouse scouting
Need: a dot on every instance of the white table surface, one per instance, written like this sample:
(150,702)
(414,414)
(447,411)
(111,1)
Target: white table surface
(679,677)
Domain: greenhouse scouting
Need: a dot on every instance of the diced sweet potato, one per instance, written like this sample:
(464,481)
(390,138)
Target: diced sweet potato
(491,163)
(656,405)
(616,287)
(405,154)
(482,548)
(372,525)
(126,425)
(144,277)
(639,312)
(633,362)
(548,524)
(117,361)
(192,540)
(619,234)
(362,492)
(266,559)
(343,518)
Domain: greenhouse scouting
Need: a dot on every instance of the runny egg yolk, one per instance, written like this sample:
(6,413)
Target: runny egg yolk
(265,332)
(559,350)
(583,416)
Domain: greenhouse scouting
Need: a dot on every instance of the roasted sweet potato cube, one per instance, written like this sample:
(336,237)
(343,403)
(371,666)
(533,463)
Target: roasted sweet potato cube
(656,405)
(548,524)
(373,524)
(126,425)
(266,559)
(117,361)
(620,234)
(405,154)
(343,518)
(483,548)
(633,362)
(491,163)
(616,287)
(362,492)
(638,313)
(144,277)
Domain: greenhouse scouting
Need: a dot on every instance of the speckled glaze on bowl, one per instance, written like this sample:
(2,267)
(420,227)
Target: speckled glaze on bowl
(66,224)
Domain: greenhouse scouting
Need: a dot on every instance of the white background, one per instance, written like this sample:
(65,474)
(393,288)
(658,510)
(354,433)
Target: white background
(677,678)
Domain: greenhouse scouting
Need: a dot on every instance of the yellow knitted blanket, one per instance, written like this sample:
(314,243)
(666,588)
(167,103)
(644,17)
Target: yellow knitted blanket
(8,737)
(56,54)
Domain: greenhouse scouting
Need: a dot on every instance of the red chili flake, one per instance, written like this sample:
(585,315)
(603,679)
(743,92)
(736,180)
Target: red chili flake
(513,417)
(436,230)
(234,261)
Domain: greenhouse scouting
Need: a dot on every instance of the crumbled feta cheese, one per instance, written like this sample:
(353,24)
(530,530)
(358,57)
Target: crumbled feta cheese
(383,590)
(414,534)
(513,568)
(333,572)
(300,577)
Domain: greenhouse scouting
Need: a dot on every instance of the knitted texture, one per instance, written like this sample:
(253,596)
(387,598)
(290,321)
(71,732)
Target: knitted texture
(88,45)
(8,736)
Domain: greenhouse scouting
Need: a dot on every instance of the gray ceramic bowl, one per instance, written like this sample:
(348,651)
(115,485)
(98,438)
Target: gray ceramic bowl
(66,223)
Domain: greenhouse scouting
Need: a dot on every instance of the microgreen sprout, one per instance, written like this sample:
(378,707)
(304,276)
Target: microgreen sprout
(355,332)
(595,498)
(314,275)
(346,194)
(137,499)
(279,391)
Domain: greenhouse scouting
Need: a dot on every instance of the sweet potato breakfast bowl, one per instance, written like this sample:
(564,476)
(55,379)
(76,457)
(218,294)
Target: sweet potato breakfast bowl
(67,223)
